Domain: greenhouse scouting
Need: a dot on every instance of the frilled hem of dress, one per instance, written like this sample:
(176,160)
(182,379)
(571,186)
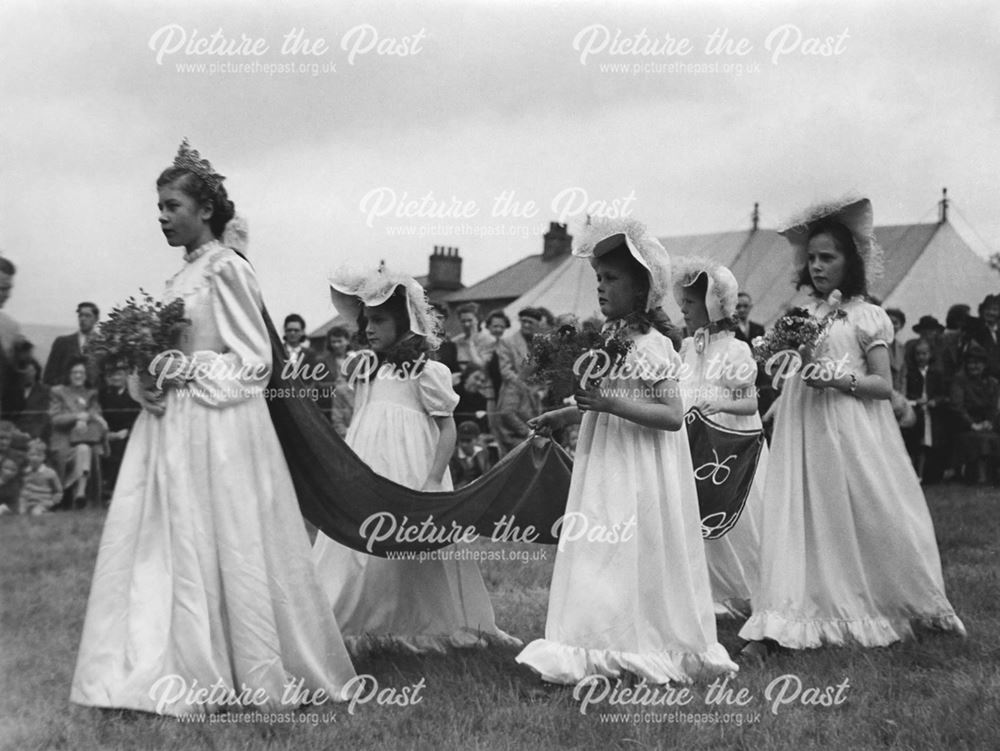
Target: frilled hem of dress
(811,633)
(419,644)
(559,663)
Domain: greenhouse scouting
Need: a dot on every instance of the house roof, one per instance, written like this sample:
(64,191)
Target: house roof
(338,320)
(760,259)
(510,282)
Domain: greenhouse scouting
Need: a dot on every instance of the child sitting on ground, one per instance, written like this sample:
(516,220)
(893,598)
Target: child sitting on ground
(40,486)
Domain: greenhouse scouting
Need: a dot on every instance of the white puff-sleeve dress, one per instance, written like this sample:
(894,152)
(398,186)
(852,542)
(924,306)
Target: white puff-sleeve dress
(630,589)
(848,552)
(411,605)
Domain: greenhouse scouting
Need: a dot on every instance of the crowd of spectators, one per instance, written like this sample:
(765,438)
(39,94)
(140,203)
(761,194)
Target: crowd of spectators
(65,426)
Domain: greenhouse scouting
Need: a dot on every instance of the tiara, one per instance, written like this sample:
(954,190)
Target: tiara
(189,159)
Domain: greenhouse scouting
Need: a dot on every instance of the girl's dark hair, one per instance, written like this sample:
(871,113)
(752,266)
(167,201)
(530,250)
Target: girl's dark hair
(854,283)
(408,347)
(192,185)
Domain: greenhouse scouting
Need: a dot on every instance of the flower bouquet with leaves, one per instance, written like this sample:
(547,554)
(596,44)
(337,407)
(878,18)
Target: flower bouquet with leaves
(136,332)
(558,358)
(799,331)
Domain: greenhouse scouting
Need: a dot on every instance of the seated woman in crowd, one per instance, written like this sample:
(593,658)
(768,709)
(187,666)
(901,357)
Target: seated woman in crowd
(33,417)
(78,429)
(974,397)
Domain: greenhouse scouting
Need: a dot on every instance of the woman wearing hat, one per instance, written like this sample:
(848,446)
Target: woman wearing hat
(974,398)
(985,331)
(847,545)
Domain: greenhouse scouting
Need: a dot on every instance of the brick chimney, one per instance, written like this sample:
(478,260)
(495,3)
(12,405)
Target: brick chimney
(558,242)
(445,271)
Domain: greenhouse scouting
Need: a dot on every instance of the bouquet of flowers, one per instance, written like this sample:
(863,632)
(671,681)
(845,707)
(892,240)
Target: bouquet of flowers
(554,357)
(799,331)
(136,332)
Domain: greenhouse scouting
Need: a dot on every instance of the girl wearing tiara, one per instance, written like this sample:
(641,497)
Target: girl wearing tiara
(204,577)
(630,589)
(847,544)
(718,380)
(404,429)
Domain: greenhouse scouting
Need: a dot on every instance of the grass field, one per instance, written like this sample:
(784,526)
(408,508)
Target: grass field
(935,692)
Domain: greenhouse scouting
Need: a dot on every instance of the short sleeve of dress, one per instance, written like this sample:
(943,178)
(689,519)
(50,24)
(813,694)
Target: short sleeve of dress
(655,359)
(739,371)
(873,326)
(437,396)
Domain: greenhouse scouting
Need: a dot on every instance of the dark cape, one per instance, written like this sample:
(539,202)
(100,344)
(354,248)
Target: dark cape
(337,491)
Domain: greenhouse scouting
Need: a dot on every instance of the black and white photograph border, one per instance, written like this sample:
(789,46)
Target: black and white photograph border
(465,143)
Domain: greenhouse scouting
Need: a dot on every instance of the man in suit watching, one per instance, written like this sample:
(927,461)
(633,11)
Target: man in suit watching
(299,358)
(10,334)
(746,329)
(66,348)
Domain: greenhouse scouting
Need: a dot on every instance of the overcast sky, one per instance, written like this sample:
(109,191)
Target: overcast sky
(490,99)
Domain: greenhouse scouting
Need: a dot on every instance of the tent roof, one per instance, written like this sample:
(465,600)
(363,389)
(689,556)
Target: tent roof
(567,288)
(760,259)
